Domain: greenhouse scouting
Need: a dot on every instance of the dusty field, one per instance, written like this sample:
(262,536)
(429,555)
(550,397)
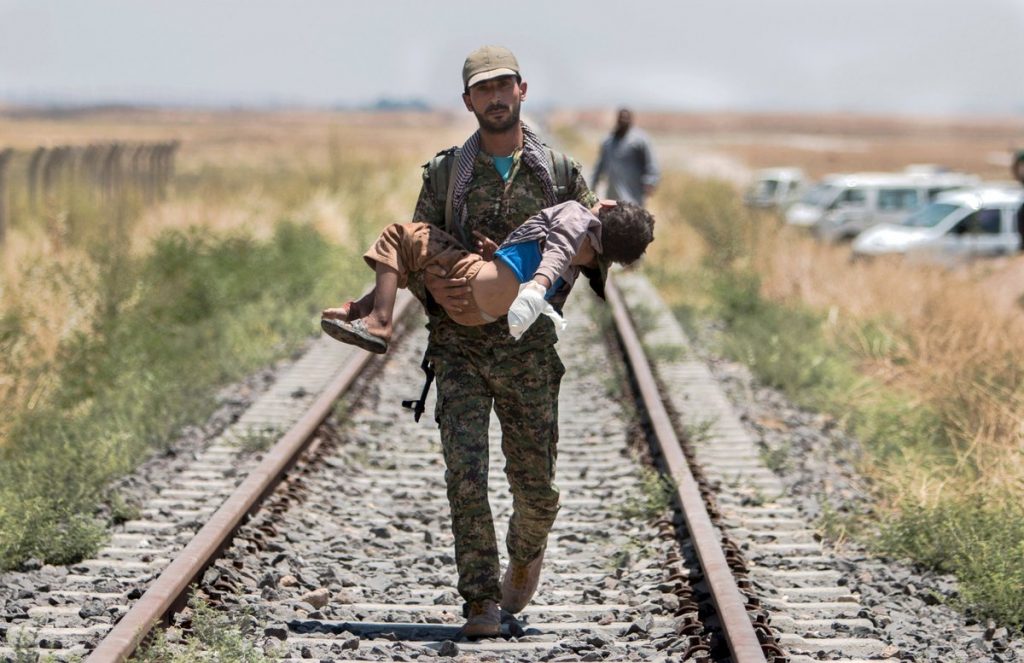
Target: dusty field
(728,145)
(237,135)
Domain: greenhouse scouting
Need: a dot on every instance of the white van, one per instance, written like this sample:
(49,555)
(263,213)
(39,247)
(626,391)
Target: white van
(976,222)
(842,206)
(775,187)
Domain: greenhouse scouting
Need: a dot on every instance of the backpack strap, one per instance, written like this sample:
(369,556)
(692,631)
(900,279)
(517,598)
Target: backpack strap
(440,171)
(451,224)
(560,167)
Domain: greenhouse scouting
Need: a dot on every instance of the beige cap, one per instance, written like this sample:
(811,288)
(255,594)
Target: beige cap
(488,62)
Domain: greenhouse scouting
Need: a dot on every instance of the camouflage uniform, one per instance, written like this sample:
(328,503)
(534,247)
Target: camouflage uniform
(478,367)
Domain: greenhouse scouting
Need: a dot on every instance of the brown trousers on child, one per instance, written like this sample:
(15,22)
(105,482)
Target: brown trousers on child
(412,247)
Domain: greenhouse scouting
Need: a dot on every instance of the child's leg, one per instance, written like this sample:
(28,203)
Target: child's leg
(379,320)
(401,250)
(412,247)
(352,310)
(386,251)
(376,308)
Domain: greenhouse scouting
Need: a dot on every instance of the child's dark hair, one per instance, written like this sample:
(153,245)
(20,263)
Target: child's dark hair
(626,230)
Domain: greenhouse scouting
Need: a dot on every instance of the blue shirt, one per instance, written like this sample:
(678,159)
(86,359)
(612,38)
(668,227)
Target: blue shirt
(503,165)
(524,259)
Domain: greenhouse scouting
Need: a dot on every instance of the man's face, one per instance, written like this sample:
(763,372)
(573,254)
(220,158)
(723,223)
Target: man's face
(496,103)
(623,121)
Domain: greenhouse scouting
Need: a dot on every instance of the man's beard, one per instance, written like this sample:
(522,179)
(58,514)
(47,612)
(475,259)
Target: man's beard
(488,125)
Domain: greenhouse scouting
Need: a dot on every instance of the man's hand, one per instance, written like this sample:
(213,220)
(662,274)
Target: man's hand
(450,294)
(485,246)
(603,204)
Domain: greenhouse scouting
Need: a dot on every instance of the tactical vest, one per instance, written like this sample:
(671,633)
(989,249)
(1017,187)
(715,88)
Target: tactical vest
(442,184)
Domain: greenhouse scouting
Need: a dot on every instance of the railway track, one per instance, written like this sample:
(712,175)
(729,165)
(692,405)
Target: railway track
(350,557)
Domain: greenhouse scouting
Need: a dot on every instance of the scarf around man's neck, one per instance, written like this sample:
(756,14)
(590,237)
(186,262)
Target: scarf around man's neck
(534,156)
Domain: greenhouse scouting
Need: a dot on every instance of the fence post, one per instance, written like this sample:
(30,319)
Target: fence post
(52,170)
(34,167)
(5,159)
(112,169)
(140,169)
(91,161)
(165,172)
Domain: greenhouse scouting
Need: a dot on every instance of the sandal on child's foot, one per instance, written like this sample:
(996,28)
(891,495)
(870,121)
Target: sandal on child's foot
(354,333)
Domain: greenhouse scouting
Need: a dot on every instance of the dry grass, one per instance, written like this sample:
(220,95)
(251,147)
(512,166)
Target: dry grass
(950,337)
(955,344)
(923,363)
(235,172)
(119,319)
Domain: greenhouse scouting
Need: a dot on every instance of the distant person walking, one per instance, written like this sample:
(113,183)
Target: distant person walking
(627,162)
(1018,173)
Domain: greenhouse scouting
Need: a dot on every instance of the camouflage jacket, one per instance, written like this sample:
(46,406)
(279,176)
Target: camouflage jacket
(494,208)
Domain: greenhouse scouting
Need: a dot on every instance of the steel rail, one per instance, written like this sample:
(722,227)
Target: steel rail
(729,602)
(168,591)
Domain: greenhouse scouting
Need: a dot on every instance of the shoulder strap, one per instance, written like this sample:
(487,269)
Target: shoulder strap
(561,167)
(450,222)
(439,174)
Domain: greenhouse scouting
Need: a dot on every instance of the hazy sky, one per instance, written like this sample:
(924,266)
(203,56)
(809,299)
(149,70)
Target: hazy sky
(918,56)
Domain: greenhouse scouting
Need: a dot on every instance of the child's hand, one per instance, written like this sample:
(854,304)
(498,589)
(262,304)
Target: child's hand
(485,246)
(526,308)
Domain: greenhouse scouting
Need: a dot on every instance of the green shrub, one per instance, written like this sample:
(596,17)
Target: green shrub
(655,495)
(217,636)
(728,228)
(980,542)
(167,329)
(891,425)
(784,346)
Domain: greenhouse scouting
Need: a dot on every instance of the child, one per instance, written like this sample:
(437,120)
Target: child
(531,264)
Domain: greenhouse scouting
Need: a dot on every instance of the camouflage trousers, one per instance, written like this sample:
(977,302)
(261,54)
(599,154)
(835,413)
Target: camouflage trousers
(523,390)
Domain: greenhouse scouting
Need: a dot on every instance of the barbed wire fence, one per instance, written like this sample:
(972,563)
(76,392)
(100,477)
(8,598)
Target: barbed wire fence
(32,180)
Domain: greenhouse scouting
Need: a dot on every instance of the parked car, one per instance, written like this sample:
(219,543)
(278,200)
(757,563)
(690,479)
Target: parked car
(842,206)
(976,222)
(775,187)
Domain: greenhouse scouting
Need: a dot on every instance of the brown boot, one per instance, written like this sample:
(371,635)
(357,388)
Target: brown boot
(520,583)
(484,620)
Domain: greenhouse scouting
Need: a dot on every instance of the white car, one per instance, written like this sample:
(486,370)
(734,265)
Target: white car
(842,206)
(976,222)
(775,187)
